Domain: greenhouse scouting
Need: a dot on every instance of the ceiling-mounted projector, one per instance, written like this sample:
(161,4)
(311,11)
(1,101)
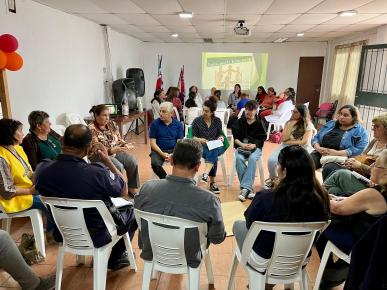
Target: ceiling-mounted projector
(241,30)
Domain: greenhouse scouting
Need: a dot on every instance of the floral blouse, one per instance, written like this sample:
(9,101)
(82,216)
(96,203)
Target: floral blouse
(110,136)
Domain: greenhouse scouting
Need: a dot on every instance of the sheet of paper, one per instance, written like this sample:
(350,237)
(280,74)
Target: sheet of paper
(120,202)
(214,144)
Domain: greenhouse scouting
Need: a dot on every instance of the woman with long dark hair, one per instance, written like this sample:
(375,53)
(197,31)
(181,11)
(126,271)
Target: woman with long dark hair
(299,197)
(298,131)
(261,94)
(158,98)
(234,97)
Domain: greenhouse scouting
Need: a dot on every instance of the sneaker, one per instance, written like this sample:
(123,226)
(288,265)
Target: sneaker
(251,195)
(204,178)
(214,188)
(244,194)
(119,263)
(47,283)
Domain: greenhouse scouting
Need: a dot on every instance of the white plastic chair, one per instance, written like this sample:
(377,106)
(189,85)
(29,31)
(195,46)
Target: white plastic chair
(167,243)
(289,258)
(276,122)
(70,220)
(176,113)
(60,129)
(73,118)
(329,248)
(259,168)
(189,116)
(37,225)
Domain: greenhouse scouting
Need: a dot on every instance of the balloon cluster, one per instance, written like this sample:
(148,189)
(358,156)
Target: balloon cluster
(9,58)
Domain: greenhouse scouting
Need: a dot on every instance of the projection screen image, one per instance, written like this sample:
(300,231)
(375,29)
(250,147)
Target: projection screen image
(224,70)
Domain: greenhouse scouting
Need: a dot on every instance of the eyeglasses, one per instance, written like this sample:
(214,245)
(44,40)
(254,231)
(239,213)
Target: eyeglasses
(373,165)
(375,126)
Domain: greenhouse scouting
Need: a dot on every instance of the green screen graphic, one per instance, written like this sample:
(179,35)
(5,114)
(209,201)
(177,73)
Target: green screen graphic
(224,70)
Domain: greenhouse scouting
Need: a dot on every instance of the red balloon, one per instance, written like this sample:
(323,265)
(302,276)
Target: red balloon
(8,43)
(3,59)
(14,61)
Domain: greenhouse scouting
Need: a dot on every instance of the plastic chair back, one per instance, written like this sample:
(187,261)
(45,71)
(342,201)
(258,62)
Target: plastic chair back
(223,115)
(293,242)
(73,118)
(69,217)
(191,113)
(176,113)
(166,235)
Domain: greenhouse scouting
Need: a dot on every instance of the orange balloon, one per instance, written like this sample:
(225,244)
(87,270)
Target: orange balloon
(14,61)
(3,59)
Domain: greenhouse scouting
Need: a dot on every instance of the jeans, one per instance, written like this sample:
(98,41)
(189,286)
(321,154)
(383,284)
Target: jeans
(13,263)
(273,160)
(246,172)
(157,163)
(211,156)
(38,204)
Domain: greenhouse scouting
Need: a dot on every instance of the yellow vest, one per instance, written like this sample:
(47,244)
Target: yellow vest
(20,179)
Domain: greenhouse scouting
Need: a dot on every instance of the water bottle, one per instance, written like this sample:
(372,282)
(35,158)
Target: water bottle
(125,106)
(139,105)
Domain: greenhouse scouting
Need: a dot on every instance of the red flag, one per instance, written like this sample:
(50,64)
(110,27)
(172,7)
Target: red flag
(181,85)
(159,82)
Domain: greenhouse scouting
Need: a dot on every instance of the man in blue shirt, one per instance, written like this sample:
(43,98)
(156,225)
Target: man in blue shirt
(69,176)
(164,133)
(244,99)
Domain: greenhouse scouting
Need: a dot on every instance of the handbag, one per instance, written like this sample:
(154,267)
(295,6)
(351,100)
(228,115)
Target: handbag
(333,159)
(275,137)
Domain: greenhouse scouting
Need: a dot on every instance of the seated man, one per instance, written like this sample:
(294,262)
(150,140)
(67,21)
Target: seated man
(164,133)
(69,176)
(177,195)
(249,136)
(13,263)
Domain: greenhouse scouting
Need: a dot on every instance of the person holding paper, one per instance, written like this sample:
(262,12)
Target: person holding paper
(249,136)
(208,128)
(163,133)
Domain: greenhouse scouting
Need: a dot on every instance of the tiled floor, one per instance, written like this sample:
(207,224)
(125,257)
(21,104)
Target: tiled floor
(221,255)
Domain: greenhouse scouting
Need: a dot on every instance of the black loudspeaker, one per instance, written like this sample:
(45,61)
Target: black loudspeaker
(120,88)
(137,74)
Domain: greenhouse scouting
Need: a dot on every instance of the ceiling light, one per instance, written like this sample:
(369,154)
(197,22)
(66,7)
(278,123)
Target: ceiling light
(300,34)
(175,35)
(280,40)
(185,14)
(347,13)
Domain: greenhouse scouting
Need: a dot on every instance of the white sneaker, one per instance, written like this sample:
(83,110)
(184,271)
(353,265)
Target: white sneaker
(244,194)
(251,195)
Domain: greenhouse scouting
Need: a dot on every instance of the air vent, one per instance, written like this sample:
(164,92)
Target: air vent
(208,40)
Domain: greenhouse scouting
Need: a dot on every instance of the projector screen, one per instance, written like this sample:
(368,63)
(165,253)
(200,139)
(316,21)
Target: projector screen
(224,70)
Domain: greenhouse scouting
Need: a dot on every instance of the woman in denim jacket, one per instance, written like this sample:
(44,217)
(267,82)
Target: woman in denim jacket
(343,137)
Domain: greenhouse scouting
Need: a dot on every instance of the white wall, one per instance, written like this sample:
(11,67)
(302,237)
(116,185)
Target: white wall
(282,70)
(64,59)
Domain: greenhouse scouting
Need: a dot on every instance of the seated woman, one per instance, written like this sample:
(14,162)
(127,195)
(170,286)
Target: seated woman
(208,128)
(298,197)
(355,214)
(343,182)
(17,192)
(219,103)
(261,95)
(285,107)
(339,139)
(198,98)
(234,97)
(106,132)
(298,131)
(158,98)
(41,142)
(267,103)
(191,102)
(173,97)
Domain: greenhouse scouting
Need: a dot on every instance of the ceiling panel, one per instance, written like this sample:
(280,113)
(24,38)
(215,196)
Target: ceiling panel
(126,28)
(283,34)
(291,6)
(327,28)
(118,6)
(159,7)
(203,6)
(277,19)
(382,19)
(191,40)
(296,28)
(247,6)
(138,19)
(378,6)
(335,6)
(180,28)
(358,27)
(306,39)
(104,18)
(260,34)
(350,20)
(267,28)
(73,6)
(153,28)
(171,20)
(205,28)
(250,19)
(313,18)
(208,19)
